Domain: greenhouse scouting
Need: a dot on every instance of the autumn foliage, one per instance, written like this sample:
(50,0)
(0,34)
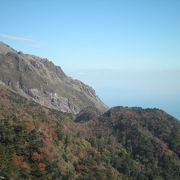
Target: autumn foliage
(20,163)
(41,166)
(36,156)
(44,150)
(123,143)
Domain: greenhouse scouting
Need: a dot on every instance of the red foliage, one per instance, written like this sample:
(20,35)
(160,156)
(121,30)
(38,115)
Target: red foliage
(41,166)
(20,163)
(36,156)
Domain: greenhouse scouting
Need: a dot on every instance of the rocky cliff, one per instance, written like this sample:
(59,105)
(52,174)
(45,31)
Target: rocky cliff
(40,80)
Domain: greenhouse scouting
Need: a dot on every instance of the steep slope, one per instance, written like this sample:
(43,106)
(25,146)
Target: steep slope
(43,82)
(41,143)
(151,137)
(86,114)
(155,121)
(123,143)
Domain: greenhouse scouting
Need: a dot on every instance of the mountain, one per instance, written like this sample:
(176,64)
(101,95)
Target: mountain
(40,80)
(42,142)
(123,143)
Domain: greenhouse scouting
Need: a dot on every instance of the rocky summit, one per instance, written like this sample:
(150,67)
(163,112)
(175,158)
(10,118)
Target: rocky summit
(40,80)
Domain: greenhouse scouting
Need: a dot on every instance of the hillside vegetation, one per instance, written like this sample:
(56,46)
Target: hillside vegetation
(122,143)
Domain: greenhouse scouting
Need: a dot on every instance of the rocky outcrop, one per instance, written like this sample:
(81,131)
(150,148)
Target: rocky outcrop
(40,80)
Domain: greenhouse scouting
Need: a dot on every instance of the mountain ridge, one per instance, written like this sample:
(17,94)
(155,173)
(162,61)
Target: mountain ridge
(122,144)
(39,79)
(91,142)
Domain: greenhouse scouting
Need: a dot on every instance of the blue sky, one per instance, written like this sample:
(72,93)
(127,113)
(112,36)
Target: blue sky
(128,50)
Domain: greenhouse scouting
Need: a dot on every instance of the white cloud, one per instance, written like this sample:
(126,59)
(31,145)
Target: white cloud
(16,37)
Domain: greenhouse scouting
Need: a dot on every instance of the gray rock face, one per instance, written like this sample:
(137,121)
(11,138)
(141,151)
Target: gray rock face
(40,80)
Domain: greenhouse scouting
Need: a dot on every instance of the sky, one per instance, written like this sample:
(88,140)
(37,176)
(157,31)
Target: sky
(127,50)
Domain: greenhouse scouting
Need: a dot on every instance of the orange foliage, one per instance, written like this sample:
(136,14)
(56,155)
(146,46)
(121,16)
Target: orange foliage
(41,166)
(43,150)
(20,163)
(45,136)
(36,156)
